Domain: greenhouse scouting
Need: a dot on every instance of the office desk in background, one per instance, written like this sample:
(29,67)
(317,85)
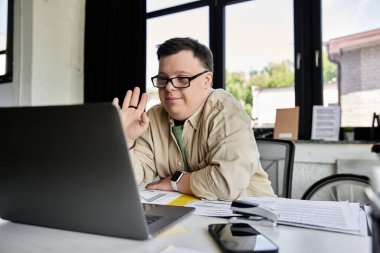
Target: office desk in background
(15,238)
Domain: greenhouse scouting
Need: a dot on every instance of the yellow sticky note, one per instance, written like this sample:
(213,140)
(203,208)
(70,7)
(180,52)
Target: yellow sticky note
(182,200)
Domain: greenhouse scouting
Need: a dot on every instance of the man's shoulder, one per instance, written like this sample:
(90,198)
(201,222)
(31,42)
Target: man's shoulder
(157,108)
(156,111)
(222,98)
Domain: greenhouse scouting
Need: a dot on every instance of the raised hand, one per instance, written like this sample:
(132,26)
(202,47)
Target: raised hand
(133,115)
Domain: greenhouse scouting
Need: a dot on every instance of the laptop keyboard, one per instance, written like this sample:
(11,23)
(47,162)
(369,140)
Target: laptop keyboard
(152,218)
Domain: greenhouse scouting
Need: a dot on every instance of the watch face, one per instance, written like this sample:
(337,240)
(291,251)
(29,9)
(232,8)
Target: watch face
(176,176)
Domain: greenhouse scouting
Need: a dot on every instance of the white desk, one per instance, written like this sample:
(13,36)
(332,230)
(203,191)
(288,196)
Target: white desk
(15,238)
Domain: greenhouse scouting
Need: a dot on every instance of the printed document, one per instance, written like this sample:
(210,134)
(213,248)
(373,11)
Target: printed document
(334,216)
(324,215)
(157,197)
(326,123)
(202,207)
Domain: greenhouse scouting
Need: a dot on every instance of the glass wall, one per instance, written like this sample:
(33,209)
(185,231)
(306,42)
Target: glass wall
(351,59)
(259,38)
(259,57)
(193,23)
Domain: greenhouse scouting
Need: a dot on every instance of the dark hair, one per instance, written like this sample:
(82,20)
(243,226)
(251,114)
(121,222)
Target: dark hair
(175,45)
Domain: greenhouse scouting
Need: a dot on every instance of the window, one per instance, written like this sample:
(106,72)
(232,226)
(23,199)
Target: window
(6,10)
(155,5)
(259,57)
(268,53)
(190,23)
(351,59)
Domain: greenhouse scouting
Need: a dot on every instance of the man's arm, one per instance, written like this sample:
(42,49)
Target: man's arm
(165,184)
(232,158)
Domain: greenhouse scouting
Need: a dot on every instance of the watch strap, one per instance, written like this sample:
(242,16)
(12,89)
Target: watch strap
(174,183)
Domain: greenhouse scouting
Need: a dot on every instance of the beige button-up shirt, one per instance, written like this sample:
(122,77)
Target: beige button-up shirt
(219,145)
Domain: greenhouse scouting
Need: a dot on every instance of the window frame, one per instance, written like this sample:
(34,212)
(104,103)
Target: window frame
(307,41)
(8,52)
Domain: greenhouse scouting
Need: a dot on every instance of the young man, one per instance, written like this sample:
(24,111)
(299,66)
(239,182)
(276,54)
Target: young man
(199,141)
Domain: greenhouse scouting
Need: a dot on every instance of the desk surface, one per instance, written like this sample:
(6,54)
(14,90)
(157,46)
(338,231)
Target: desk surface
(16,238)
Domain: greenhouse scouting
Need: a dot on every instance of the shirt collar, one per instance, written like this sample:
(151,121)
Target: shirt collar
(194,119)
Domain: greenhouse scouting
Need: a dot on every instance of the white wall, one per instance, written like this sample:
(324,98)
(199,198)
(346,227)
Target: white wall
(314,161)
(48,53)
(267,100)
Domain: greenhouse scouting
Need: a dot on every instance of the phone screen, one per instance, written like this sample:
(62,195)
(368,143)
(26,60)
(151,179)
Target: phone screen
(241,237)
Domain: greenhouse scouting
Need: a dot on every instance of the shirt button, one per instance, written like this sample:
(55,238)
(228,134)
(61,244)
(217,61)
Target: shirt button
(179,163)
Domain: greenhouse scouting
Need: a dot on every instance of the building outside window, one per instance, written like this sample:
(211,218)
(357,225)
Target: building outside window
(351,59)
(261,41)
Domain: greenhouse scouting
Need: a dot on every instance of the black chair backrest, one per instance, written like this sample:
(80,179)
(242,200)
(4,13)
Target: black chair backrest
(277,158)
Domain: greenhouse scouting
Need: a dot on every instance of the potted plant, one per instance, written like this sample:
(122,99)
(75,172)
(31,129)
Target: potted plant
(349,133)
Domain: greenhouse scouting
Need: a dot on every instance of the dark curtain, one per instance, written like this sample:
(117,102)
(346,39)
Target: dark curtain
(114,53)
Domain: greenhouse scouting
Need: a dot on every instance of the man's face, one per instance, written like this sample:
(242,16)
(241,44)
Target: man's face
(181,103)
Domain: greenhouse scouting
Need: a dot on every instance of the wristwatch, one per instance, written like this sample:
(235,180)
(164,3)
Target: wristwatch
(176,178)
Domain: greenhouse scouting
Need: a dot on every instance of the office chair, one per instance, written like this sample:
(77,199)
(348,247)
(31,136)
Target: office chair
(277,157)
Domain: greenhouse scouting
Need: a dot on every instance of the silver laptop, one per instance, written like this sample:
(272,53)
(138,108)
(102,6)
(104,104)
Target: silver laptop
(68,167)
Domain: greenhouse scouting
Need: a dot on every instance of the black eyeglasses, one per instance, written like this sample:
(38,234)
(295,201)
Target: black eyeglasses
(177,82)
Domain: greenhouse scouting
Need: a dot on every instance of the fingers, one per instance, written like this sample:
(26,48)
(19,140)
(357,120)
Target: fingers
(127,99)
(157,185)
(152,186)
(143,102)
(131,100)
(135,97)
(115,102)
(163,185)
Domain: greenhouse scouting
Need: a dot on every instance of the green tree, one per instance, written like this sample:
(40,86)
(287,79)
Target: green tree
(274,75)
(329,68)
(237,85)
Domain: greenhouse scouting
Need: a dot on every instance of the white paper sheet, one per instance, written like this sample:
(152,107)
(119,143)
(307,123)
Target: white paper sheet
(202,207)
(334,216)
(324,215)
(157,197)
(326,123)
(212,208)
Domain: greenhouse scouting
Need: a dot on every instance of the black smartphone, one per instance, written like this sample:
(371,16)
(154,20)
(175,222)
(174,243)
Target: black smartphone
(241,237)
